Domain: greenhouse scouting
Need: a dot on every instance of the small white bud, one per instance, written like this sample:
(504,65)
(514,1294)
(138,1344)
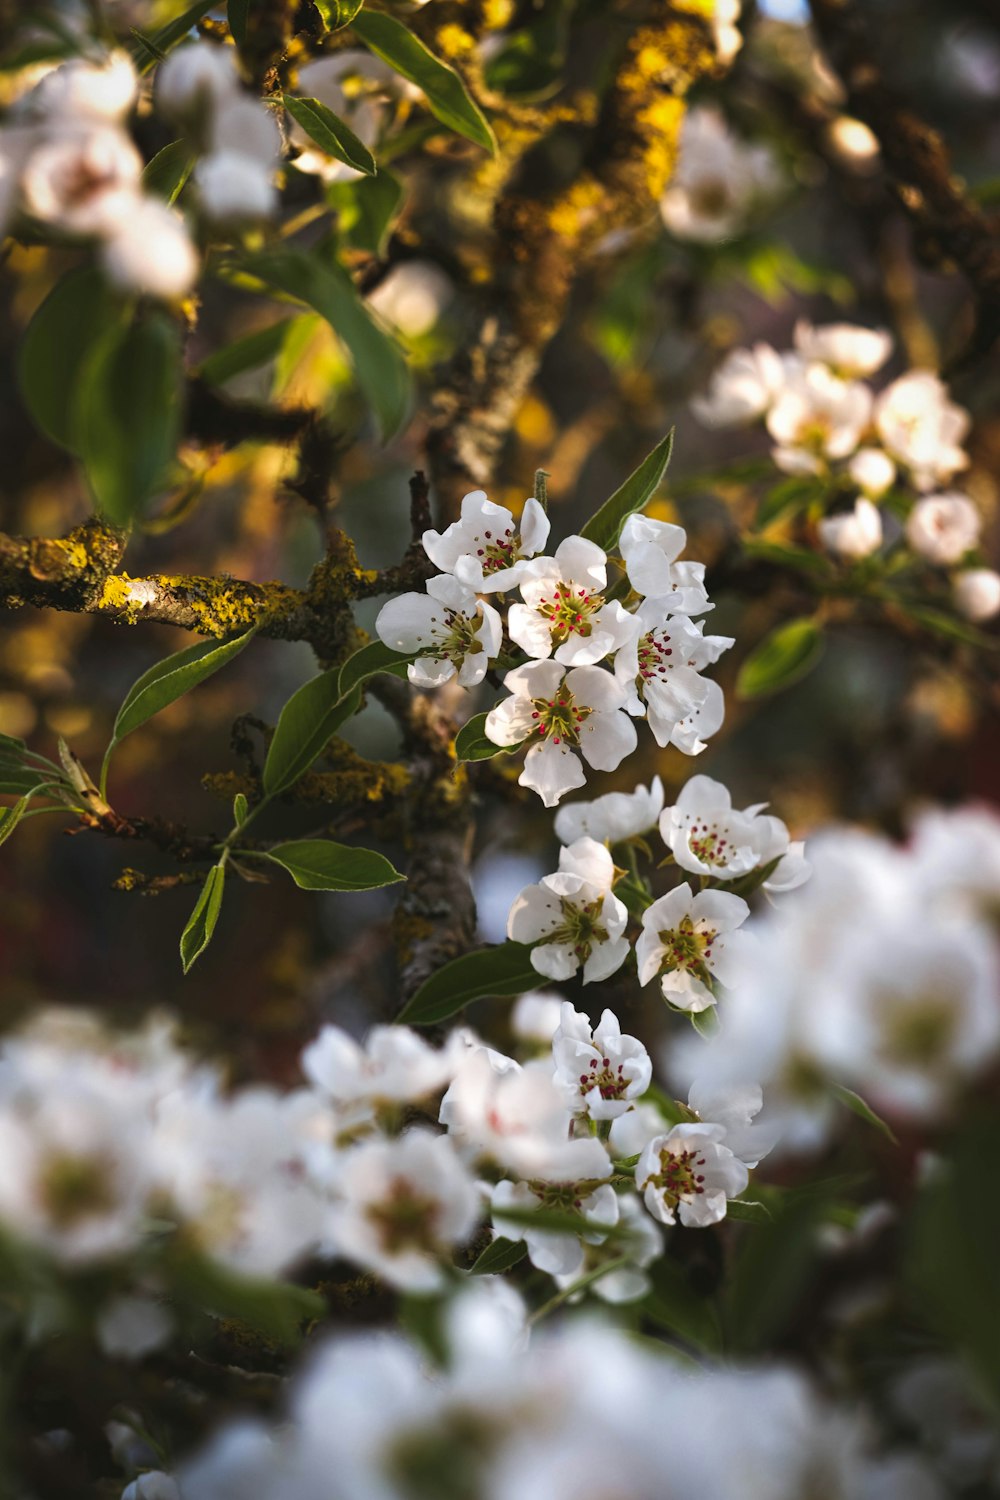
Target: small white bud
(872,471)
(150,251)
(235,189)
(855,534)
(195,78)
(977,593)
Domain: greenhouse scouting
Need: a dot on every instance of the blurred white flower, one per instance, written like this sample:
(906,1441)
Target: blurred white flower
(151,251)
(727,35)
(600,1071)
(235,189)
(744,386)
(153,1485)
(536,1016)
(718,180)
(453,633)
(412,296)
(83,181)
(943,528)
(854,533)
(921,428)
(554,1251)
(976,592)
(78,90)
(196,78)
(394,1066)
(131,1327)
(872,471)
(486,550)
(817,417)
(848,349)
(571,918)
(690,942)
(612,818)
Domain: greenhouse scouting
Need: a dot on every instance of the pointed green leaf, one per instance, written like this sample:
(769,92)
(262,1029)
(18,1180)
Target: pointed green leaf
(338,13)
(240,809)
(169,170)
(503,970)
(365,210)
(75,315)
(447,96)
(11,816)
(371,659)
(322,865)
(863,1110)
(473,743)
(201,924)
(12,750)
(275,1309)
(785,656)
(16,780)
(547,1220)
(307,721)
(146,52)
(330,133)
(604,528)
(247,353)
(379,363)
(501,1256)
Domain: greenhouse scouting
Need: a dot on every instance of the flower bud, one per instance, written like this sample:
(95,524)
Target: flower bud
(150,251)
(977,593)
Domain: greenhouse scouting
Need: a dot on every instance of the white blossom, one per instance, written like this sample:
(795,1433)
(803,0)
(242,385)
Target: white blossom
(613,818)
(691,941)
(921,428)
(150,251)
(452,633)
(563,712)
(196,79)
(855,533)
(817,417)
(707,836)
(659,668)
(600,1071)
(735,1108)
(79,91)
(412,296)
(394,1066)
(943,528)
(83,181)
(687,1174)
(725,31)
(131,1327)
(554,1251)
(401,1205)
(563,613)
(637,1237)
(846,348)
(976,593)
(235,189)
(155,1484)
(486,550)
(872,470)
(572,918)
(718,180)
(744,386)
(536,1016)
(650,550)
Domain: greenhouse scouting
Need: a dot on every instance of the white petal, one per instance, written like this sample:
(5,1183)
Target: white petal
(551,771)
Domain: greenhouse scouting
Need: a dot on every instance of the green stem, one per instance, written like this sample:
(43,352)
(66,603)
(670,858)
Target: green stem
(577,1286)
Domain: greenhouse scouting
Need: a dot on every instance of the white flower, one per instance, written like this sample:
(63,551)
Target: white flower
(921,428)
(401,1206)
(726,33)
(558,1253)
(564,613)
(572,917)
(637,1237)
(413,296)
(600,1072)
(395,1066)
(84,181)
(717,181)
(517,1116)
(744,386)
(817,417)
(735,1107)
(150,251)
(235,189)
(659,668)
(355,86)
(612,818)
(535,1016)
(708,837)
(650,550)
(452,632)
(976,593)
(943,528)
(687,1174)
(486,550)
(872,471)
(691,941)
(155,1484)
(79,90)
(246,127)
(563,712)
(957,860)
(848,349)
(195,79)
(131,1327)
(854,533)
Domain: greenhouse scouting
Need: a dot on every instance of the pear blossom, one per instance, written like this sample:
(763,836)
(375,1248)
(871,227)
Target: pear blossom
(394,1066)
(687,1174)
(855,533)
(659,668)
(956,860)
(196,79)
(943,528)
(563,613)
(401,1205)
(155,1484)
(848,349)
(150,251)
(976,592)
(536,1016)
(707,836)
(486,550)
(613,818)
(82,181)
(650,550)
(735,1108)
(572,918)
(78,90)
(453,633)
(235,189)
(132,1327)
(817,417)
(563,712)
(412,296)
(558,1253)
(921,429)
(637,1237)
(745,386)
(872,470)
(692,942)
(725,32)
(245,127)
(718,180)
(599,1071)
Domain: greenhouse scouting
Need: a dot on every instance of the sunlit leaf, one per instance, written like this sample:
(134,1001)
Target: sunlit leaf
(447,97)
(784,656)
(605,526)
(201,924)
(322,865)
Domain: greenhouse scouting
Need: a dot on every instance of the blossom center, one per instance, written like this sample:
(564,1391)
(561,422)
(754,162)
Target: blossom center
(404,1218)
(707,844)
(689,948)
(678,1176)
(654,656)
(496,550)
(75,1187)
(456,634)
(569,612)
(581,928)
(603,1075)
(559,718)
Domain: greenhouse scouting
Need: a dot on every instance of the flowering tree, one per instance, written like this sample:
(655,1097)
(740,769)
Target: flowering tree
(668,1169)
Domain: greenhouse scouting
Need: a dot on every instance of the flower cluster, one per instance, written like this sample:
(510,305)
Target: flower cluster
(68,164)
(718,181)
(825,420)
(688,939)
(580,664)
(881,977)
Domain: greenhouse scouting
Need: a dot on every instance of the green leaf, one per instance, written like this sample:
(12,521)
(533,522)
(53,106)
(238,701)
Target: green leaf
(11,816)
(275,1309)
(146,52)
(12,750)
(169,170)
(127,415)
(307,721)
(783,555)
(330,133)
(170,679)
(546,1220)
(791,495)
(675,1306)
(15,781)
(338,13)
(78,311)
(365,210)
(322,865)
(237,12)
(379,363)
(201,924)
(247,353)
(502,970)
(240,809)
(863,1110)
(942,623)
(501,1256)
(784,656)
(748,1212)
(473,743)
(447,97)
(604,528)
(370,660)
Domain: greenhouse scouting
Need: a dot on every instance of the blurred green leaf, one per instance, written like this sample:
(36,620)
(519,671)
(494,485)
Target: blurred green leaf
(337,13)
(501,1256)
(274,1309)
(447,96)
(201,924)
(545,1220)
(169,170)
(772,1272)
(76,314)
(254,349)
(310,717)
(784,555)
(746,1211)
(502,970)
(365,210)
(11,816)
(863,1110)
(330,133)
(322,865)
(605,526)
(674,1305)
(784,656)
(237,14)
(146,51)
(792,495)
(951,626)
